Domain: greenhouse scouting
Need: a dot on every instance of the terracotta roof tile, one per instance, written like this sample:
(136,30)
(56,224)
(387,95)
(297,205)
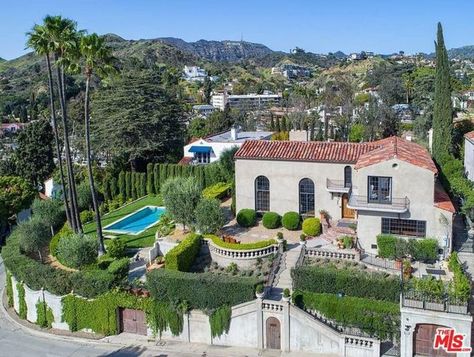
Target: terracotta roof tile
(442,200)
(185,160)
(317,151)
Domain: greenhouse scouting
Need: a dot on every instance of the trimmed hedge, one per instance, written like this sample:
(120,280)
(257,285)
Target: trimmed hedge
(182,256)
(312,226)
(421,249)
(348,281)
(219,190)
(291,221)
(377,318)
(247,217)
(271,220)
(201,291)
(244,246)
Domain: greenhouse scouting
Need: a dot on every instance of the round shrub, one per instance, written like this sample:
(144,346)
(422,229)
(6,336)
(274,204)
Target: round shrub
(86,216)
(291,221)
(312,226)
(271,220)
(246,217)
(116,248)
(76,250)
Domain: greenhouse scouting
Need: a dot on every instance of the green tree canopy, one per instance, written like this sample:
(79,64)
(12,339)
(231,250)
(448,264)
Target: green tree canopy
(16,194)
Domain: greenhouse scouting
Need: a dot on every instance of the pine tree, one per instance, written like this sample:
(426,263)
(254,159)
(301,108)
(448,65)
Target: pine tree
(443,111)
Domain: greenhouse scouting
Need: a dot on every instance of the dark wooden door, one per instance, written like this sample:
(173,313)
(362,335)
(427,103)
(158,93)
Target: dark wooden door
(273,333)
(346,212)
(423,339)
(132,321)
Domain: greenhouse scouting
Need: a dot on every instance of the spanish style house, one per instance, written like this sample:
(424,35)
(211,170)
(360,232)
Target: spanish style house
(387,186)
(469,155)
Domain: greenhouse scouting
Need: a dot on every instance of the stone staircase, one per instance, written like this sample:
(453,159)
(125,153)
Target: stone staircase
(288,261)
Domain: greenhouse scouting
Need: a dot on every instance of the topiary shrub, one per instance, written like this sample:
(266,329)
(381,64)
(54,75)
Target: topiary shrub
(246,217)
(116,248)
(312,226)
(63,232)
(119,268)
(291,221)
(271,220)
(76,250)
(182,256)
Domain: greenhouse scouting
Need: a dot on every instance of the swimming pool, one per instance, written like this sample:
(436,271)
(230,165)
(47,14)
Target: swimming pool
(136,222)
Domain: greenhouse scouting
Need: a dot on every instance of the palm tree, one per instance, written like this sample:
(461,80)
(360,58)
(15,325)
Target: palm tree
(64,38)
(97,60)
(38,40)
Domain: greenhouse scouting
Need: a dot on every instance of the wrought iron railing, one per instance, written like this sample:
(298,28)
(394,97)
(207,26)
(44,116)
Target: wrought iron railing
(419,300)
(337,185)
(396,204)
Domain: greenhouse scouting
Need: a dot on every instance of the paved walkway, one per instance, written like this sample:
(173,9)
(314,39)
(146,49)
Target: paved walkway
(288,261)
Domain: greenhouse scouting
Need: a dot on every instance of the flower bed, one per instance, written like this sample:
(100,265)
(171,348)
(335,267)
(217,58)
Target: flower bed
(241,246)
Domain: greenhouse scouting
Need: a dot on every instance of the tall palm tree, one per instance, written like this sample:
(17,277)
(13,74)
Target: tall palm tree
(38,40)
(64,39)
(98,60)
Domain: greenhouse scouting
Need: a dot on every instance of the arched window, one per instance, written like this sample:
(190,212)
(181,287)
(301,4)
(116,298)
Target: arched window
(347,176)
(306,188)
(262,194)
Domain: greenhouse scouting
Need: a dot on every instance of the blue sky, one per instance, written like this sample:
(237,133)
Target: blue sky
(383,26)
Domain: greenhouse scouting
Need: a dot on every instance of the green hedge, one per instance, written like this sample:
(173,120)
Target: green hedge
(9,289)
(182,256)
(219,190)
(421,249)
(312,226)
(201,291)
(271,220)
(377,318)
(243,246)
(37,275)
(460,286)
(291,221)
(23,309)
(100,314)
(348,281)
(45,317)
(246,217)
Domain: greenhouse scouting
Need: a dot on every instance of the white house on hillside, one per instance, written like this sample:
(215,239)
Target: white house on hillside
(387,186)
(209,149)
(469,155)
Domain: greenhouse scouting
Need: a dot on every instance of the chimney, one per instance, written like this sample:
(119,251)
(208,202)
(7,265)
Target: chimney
(234,133)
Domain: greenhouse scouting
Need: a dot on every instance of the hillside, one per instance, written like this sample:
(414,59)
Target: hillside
(465,52)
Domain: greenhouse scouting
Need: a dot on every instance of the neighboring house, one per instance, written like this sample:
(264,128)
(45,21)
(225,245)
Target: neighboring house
(469,155)
(210,148)
(10,128)
(403,112)
(194,74)
(292,71)
(203,109)
(245,101)
(388,186)
(52,189)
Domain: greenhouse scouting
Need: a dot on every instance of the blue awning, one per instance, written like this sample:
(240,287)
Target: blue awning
(201,149)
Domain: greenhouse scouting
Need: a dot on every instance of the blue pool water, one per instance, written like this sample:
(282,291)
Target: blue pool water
(137,222)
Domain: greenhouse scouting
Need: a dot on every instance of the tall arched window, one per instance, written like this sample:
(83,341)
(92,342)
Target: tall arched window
(306,188)
(262,194)
(347,176)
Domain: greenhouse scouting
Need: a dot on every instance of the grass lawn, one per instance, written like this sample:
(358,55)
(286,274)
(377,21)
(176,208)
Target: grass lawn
(144,239)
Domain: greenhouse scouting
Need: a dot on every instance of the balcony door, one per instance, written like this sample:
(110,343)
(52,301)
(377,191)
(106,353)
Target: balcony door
(379,189)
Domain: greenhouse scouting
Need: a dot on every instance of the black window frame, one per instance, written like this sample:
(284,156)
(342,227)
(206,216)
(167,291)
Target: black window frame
(403,227)
(306,198)
(347,176)
(379,192)
(262,194)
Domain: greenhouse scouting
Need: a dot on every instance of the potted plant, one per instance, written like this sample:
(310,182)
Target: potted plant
(260,291)
(407,269)
(279,237)
(303,239)
(286,295)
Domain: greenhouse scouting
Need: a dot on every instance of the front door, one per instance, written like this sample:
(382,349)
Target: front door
(273,333)
(132,321)
(423,339)
(346,212)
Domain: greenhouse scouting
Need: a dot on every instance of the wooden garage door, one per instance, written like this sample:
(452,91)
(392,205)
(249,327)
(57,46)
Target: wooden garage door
(423,339)
(132,321)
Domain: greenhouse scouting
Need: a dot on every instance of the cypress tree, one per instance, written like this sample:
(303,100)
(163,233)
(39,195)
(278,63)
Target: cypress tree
(156,177)
(113,187)
(106,189)
(121,185)
(443,110)
(128,185)
(278,126)
(143,185)
(163,174)
(272,123)
(283,124)
(149,179)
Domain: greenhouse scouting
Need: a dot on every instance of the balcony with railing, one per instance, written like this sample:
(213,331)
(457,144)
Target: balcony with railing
(393,204)
(338,186)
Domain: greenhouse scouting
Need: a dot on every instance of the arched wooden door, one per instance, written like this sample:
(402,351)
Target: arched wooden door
(273,333)
(346,212)
(423,339)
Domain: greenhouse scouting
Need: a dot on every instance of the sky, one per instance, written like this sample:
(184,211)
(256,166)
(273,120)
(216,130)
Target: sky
(382,26)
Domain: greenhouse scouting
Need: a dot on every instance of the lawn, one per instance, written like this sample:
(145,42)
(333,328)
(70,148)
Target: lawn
(144,239)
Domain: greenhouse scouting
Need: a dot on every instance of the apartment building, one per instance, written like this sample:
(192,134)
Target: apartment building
(245,101)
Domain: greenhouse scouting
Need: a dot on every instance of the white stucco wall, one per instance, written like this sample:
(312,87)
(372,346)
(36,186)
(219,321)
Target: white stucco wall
(217,148)
(284,177)
(54,302)
(32,297)
(469,158)
(16,301)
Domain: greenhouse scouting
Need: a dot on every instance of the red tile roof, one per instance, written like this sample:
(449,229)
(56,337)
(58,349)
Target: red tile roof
(442,200)
(185,160)
(395,147)
(470,135)
(361,154)
(318,151)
